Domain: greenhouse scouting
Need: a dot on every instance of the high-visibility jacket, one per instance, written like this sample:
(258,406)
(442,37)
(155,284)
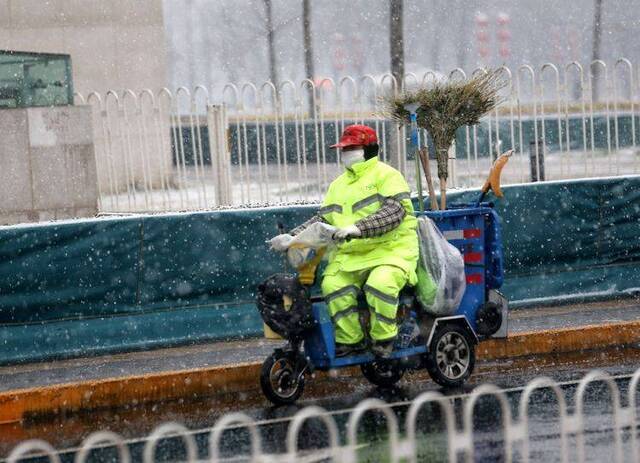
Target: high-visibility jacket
(358,193)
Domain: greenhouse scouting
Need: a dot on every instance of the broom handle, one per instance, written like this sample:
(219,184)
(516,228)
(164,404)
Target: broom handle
(443,172)
(419,184)
(424,158)
(443,193)
(414,146)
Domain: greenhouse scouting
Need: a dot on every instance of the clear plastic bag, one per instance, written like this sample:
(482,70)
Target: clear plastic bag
(317,235)
(443,262)
(305,245)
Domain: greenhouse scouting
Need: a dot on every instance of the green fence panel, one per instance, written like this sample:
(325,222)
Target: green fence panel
(123,284)
(548,226)
(69,270)
(211,258)
(619,235)
(566,239)
(191,277)
(575,285)
(124,333)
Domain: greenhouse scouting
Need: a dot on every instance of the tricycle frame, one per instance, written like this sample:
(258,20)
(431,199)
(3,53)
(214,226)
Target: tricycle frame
(475,231)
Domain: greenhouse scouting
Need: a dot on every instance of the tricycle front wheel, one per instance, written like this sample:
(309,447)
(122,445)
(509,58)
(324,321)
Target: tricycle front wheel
(281,378)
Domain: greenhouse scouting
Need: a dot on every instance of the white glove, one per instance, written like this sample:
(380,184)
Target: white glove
(281,242)
(347,232)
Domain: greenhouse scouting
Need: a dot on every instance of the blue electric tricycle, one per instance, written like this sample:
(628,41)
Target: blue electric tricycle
(445,346)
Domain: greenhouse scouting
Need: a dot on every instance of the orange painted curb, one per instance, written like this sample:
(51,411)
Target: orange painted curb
(207,382)
(202,382)
(560,340)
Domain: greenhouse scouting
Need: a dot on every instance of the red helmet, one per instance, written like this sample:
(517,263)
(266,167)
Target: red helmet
(357,135)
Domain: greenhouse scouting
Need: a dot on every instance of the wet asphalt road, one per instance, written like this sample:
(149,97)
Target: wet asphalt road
(342,393)
(256,350)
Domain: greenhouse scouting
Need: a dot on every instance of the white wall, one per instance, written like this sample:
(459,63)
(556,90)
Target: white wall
(114,44)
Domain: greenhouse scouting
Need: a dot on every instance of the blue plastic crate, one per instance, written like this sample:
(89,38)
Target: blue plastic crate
(475,231)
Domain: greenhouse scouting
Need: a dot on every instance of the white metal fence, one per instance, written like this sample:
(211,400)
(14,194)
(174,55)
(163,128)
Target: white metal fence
(403,444)
(249,144)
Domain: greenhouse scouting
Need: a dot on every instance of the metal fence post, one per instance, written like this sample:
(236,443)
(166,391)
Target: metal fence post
(218,147)
(140,130)
(536,160)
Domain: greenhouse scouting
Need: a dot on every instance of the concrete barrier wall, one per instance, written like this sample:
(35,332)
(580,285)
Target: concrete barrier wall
(109,285)
(47,164)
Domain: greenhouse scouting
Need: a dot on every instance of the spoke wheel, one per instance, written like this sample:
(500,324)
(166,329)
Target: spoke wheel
(451,356)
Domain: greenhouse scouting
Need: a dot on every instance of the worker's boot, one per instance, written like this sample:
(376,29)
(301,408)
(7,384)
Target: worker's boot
(342,350)
(383,349)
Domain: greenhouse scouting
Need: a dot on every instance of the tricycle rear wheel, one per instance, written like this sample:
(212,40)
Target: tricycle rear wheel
(451,356)
(281,378)
(382,373)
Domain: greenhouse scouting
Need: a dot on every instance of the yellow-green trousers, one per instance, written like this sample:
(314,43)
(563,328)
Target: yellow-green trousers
(381,286)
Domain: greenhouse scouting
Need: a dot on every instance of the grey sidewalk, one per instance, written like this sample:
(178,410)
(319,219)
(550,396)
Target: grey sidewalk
(255,350)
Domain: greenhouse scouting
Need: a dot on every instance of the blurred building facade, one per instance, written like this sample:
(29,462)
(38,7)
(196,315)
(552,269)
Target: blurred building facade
(213,42)
(114,44)
(48,163)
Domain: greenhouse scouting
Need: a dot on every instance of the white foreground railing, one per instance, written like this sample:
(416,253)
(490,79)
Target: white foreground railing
(249,144)
(403,444)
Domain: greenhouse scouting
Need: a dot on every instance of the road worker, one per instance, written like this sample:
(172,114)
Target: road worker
(369,204)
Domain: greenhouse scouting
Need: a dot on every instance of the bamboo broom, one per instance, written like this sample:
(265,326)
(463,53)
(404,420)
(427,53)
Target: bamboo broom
(444,107)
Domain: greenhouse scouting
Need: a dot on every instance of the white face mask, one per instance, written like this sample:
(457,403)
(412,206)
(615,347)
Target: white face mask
(350,157)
